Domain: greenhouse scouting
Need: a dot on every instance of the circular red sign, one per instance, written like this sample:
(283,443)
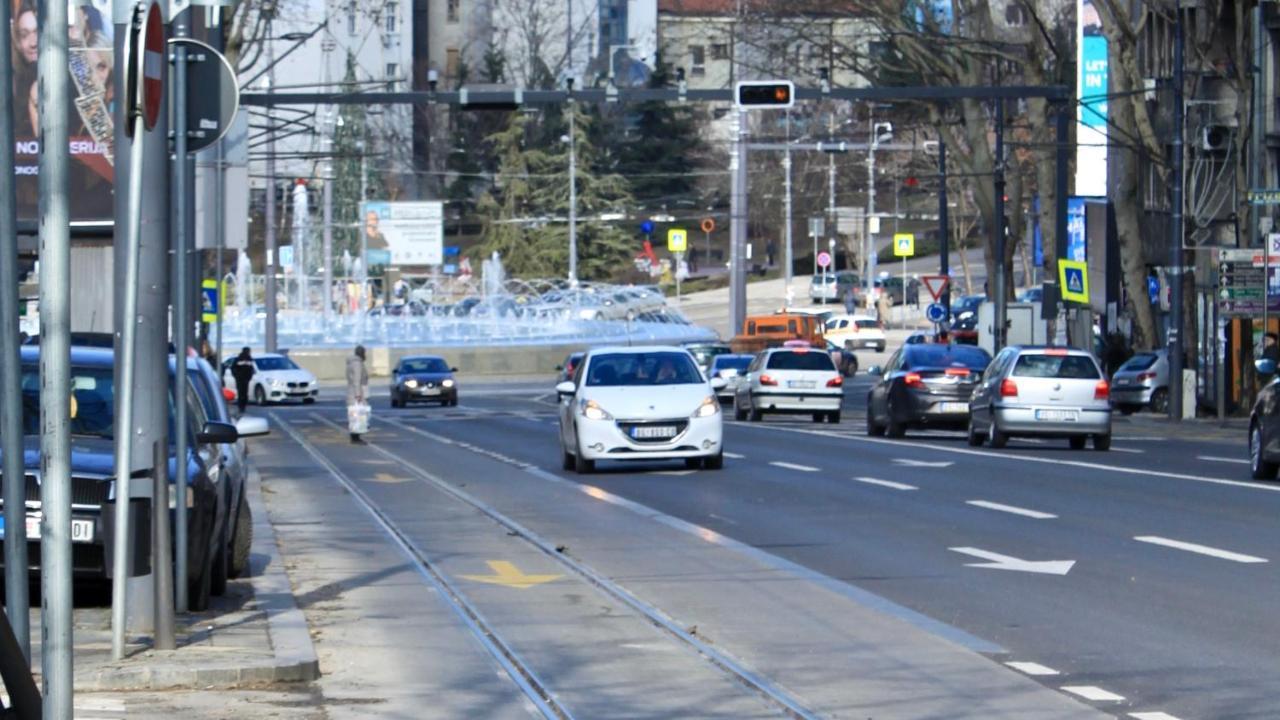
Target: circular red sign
(708,225)
(824,259)
(151,65)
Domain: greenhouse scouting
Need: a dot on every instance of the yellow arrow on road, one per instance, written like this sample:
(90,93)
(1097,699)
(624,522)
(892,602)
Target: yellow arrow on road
(504,573)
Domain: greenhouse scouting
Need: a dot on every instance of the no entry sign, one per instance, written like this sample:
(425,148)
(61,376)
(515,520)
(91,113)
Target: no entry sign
(144,66)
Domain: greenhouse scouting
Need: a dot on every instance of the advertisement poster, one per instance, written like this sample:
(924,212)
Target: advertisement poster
(1077,243)
(412,233)
(89,116)
(1092,89)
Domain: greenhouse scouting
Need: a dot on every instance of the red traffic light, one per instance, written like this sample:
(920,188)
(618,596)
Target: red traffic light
(912,182)
(768,93)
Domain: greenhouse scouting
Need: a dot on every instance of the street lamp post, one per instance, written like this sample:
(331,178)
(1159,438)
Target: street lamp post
(573,190)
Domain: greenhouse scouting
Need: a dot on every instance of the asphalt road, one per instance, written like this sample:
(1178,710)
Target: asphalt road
(1142,581)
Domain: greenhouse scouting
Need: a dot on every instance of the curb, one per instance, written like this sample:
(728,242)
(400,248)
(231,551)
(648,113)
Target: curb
(295,655)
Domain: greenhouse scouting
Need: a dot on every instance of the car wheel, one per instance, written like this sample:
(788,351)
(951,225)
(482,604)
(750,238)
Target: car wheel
(714,462)
(998,437)
(693,463)
(834,417)
(1125,409)
(1160,401)
(1078,442)
(308,401)
(200,586)
(880,347)
(1102,442)
(755,415)
(395,401)
(218,573)
(895,429)
(566,461)
(581,465)
(1259,468)
(739,412)
(873,429)
(975,437)
(242,540)
(819,417)
(259,395)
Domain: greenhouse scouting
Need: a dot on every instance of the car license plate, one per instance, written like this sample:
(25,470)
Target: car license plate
(954,407)
(430,391)
(81,531)
(801,384)
(652,432)
(1056,415)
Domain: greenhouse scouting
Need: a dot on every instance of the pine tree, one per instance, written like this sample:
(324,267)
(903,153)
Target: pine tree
(662,148)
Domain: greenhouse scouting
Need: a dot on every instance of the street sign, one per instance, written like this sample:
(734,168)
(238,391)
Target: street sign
(1264,196)
(211,109)
(824,259)
(1074,278)
(211,300)
(817,227)
(935,284)
(677,240)
(904,245)
(646,227)
(935,313)
(286,257)
(708,225)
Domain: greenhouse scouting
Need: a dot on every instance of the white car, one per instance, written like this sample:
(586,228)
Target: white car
(794,380)
(276,378)
(640,403)
(863,331)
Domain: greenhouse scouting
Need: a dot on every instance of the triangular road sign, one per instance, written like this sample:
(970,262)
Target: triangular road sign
(935,284)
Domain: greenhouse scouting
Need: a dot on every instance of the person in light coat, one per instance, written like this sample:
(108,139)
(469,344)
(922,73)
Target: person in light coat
(357,383)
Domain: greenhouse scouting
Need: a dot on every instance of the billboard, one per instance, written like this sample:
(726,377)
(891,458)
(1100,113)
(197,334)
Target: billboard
(1092,90)
(91,127)
(411,232)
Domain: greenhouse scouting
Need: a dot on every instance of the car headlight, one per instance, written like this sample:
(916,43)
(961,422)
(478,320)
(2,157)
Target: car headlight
(411,384)
(710,406)
(447,383)
(591,410)
(275,382)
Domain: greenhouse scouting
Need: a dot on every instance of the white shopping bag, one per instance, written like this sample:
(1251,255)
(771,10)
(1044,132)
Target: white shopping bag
(358,418)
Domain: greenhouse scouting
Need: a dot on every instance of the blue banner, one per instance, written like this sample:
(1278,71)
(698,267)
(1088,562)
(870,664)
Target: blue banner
(1093,82)
(1077,244)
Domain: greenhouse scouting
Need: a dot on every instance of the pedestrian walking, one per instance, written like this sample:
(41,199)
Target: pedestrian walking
(242,371)
(357,395)
(850,300)
(772,251)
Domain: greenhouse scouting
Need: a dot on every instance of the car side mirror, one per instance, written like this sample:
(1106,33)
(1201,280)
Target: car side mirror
(453,369)
(1265,366)
(559,368)
(249,426)
(875,370)
(718,383)
(217,432)
(566,388)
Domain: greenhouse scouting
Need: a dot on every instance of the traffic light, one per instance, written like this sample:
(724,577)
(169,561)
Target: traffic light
(777,94)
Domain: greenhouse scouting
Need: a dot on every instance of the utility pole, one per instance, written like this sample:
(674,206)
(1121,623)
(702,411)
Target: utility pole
(787,257)
(869,252)
(1175,244)
(55,366)
(181,315)
(269,331)
(831,189)
(998,286)
(573,187)
(17,601)
(738,224)
(944,232)
(327,294)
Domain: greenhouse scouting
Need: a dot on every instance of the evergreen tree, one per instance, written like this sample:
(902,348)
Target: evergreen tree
(662,148)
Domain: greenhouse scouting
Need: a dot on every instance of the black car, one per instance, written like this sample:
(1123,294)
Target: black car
(1264,426)
(423,378)
(924,385)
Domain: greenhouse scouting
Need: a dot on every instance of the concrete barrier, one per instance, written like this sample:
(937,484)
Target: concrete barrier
(330,364)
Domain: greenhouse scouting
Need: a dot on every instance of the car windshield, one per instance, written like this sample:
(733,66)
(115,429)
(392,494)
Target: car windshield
(92,401)
(732,362)
(275,362)
(648,368)
(424,365)
(800,360)
(823,279)
(946,356)
(1141,361)
(1071,367)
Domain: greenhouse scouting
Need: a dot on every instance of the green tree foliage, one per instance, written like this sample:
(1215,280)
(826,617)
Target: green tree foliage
(350,141)
(662,150)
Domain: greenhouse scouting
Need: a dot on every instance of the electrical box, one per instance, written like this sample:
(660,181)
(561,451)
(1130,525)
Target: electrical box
(1025,326)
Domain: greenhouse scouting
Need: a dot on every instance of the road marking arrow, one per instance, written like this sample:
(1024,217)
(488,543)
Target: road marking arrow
(1005,562)
(923,463)
(507,574)
(388,479)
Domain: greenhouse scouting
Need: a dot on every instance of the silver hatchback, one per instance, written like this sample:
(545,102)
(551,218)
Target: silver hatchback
(1042,391)
(1142,381)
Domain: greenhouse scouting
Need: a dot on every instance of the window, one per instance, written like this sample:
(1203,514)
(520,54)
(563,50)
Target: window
(797,360)
(453,10)
(393,72)
(698,60)
(1070,367)
(720,51)
(351,19)
(391,17)
(452,63)
(1015,15)
(651,368)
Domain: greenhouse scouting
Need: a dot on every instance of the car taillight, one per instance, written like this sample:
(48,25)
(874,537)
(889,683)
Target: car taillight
(836,381)
(766,380)
(912,380)
(1056,352)
(1146,376)
(1008,388)
(958,372)
(1102,390)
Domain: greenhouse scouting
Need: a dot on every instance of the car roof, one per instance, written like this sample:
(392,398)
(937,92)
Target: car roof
(635,350)
(421,357)
(1043,349)
(80,356)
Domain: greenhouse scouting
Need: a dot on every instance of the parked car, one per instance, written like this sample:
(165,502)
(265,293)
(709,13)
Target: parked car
(733,370)
(792,380)
(640,403)
(832,286)
(704,352)
(1033,294)
(276,378)
(1142,381)
(924,385)
(423,378)
(570,364)
(857,331)
(1264,425)
(1042,391)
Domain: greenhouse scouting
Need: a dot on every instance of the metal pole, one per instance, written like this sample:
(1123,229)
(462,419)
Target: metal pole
(787,259)
(161,550)
(55,365)
(1175,255)
(998,229)
(870,240)
(17,602)
(897,181)
(219,222)
(181,316)
(831,193)
(328,242)
(364,236)
(737,227)
(269,330)
(573,197)
(944,252)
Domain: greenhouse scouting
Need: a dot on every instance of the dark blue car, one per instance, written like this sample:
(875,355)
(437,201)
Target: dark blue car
(423,378)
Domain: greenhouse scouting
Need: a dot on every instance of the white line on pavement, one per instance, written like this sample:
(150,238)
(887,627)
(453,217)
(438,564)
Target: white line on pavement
(1091,692)
(735,456)
(1215,458)
(1201,549)
(1011,509)
(1031,668)
(886,483)
(1153,716)
(1131,451)
(793,466)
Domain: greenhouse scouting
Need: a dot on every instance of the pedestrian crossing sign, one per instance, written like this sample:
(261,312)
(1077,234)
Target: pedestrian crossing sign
(677,240)
(904,245)
(211,298)
(1074,279)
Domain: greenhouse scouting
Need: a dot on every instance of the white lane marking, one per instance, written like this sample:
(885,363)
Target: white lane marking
(1131,451)
(886,483)
(735,456)
(908,462)
(1092,692)
(793,466)
(1011,509)
(1032,459)
(722,519)
(674,473)
(1031,668)
(1153,716)
(1215,458)
(1201,549)
(1008,562)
